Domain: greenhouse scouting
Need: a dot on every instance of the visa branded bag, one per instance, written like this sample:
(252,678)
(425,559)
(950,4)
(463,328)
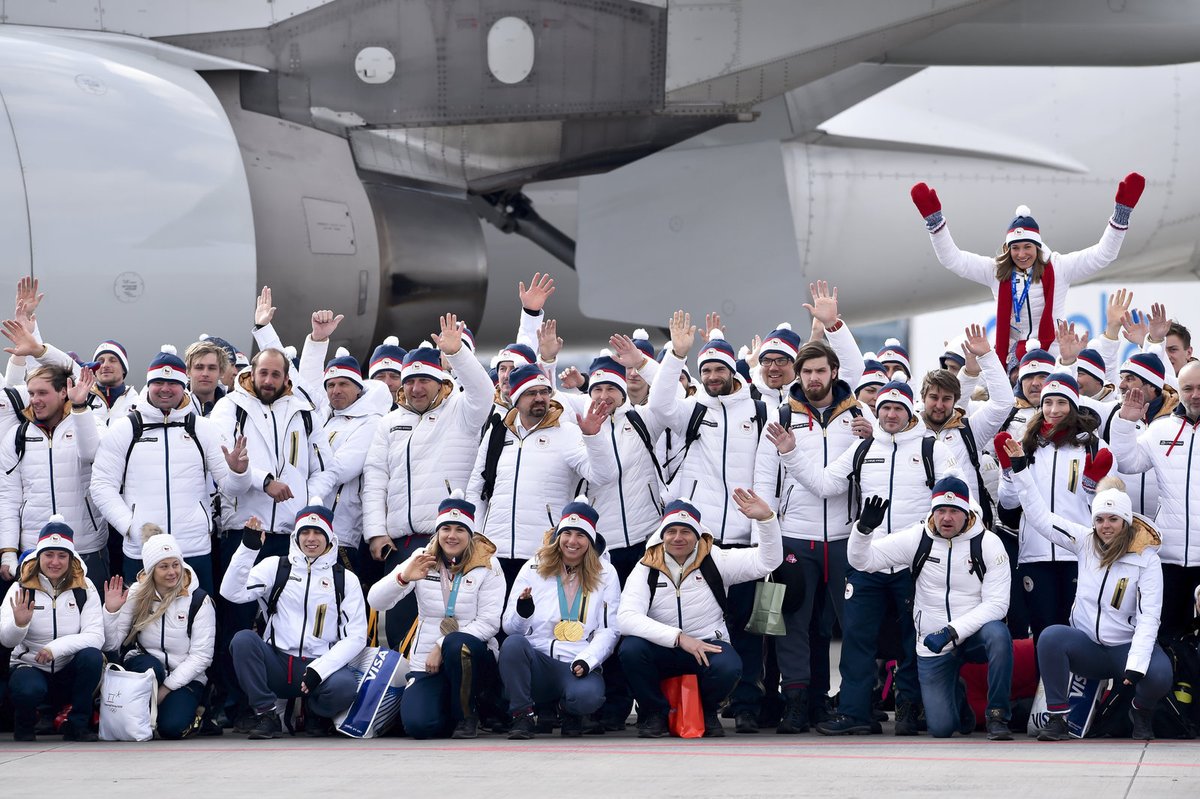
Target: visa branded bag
(1083,696)
(686,717)
(377,703)
(128,704)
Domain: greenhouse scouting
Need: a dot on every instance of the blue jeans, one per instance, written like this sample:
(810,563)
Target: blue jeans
(531,676)
(647,665)
(940,687)
(863,617)
(433,703)
(177,712)
(77,682)
(1064,650)
(267,674)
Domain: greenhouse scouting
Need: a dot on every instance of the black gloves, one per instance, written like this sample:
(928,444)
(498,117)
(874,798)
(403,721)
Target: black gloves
(872,514)
(1132,677)
(311,679)
(252,539)
(525,607)
(586,669)
(1020,464)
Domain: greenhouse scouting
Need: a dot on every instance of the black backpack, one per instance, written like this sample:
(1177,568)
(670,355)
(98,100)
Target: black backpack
(496,434)
(283,571)
(985,499)
(712,576)
(139,427)
(978,566)
(860,457)
(639,426)
(239,427)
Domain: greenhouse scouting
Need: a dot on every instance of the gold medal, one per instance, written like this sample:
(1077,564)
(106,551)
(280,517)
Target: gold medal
(449,625)
(568,631)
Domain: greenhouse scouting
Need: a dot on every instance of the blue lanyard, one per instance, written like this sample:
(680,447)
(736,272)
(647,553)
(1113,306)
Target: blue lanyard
(453,595)
(1019,303)
(573,613)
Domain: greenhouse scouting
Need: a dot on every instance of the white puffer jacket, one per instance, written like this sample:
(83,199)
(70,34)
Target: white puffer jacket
(629,506)
(414,455)
(1059,475)
(164,481)
(598,614)
(892,469)
(947,589)
(350,433)
(538,473)
(478,606)
(118,410)
(1142,487)
(306,621)
(1121,604)
(58,622)
(52,477)
(820,439)
(184,659)
(1167,449)
(721,459)
(279,446)
(689,605)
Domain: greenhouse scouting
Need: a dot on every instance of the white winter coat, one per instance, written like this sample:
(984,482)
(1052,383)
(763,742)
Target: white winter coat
(721,459)
(350,433)
(947,592)
(278,446)
(412,456)
(57,621)
(690,606)
(52,477)
(184,659)
(306,622)
(538,474)
(892,469)
(478,606)
(598,614)
(1121,604)
(1167,449)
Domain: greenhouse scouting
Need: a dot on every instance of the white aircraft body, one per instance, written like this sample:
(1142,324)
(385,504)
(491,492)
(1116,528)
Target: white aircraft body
(160,160)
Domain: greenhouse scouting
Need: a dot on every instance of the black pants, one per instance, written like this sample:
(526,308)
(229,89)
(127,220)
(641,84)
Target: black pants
(1179,602)
(400,618)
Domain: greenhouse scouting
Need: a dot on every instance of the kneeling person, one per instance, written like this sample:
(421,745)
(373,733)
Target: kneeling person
(315,624)
(961,578)
(682,631)
(460,597)
(561,625)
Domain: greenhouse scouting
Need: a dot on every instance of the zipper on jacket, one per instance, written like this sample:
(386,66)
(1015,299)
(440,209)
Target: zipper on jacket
(724,467)
(891,485)
(612,429)
(1100,602)
(50,458)
(825,500)
(512,519)
(408,471)
(679,599)
(1053,493)
(1187,502)
(162,642)
(275,442)
(54,625)
(167,469)
(949,564)
(304,626)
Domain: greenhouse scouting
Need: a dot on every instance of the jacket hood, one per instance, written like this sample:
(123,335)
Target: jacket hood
(656,553)
(1170,401)
(843,400)
(32,579)
(324,561)
(376,399)
(1145,537)
(974,525)
(482,550)
(553,414)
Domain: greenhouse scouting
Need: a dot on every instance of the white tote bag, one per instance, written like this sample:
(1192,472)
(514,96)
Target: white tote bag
(128,704)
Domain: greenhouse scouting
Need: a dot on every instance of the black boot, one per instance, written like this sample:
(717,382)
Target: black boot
(906,717)
(1143,723)
(795,712)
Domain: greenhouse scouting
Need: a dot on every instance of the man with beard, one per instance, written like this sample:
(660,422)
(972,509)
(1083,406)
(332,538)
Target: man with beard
(534,460)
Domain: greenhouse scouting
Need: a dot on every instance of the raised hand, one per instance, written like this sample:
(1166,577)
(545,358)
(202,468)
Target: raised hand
(925,199)
(873,511)
(752,505)
(1157,322)
(570,378)
(625,352)
(1013,448)
(1133,405)
(755,346)
(418,567)
(549,344)
(28,297)
(449,341)
(1070,344)
(323,324)
(78,390)
(24,343)
(1135,326)
(540,288)
(1130,190)
(977,343)
(591,422)
(238,458)
(1119,303)
(712,321)
(824,307)
(783,438)
(264,311)
(115,594)
(683,333)
(22,607)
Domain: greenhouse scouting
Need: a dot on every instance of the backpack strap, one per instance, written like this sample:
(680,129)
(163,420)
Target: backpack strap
(239,421)
(785,421)
(985,499)
(19,441)
(1012,414)
(921,556)
(690,435)
(339,592)
(189,427)
(639,426)
(978,565)
(306,417)
(927,460)
(198,597)
(81,597)
(491,460)
(760,415)
(860,457)
(14,399)
(283,570)
(712,576)
(135,421)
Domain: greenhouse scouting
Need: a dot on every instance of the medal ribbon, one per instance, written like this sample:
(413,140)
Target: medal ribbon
(573,613)
(453,596)
(1019,302)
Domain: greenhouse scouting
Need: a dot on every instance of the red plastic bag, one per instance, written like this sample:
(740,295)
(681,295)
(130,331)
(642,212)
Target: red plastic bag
(686,719)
